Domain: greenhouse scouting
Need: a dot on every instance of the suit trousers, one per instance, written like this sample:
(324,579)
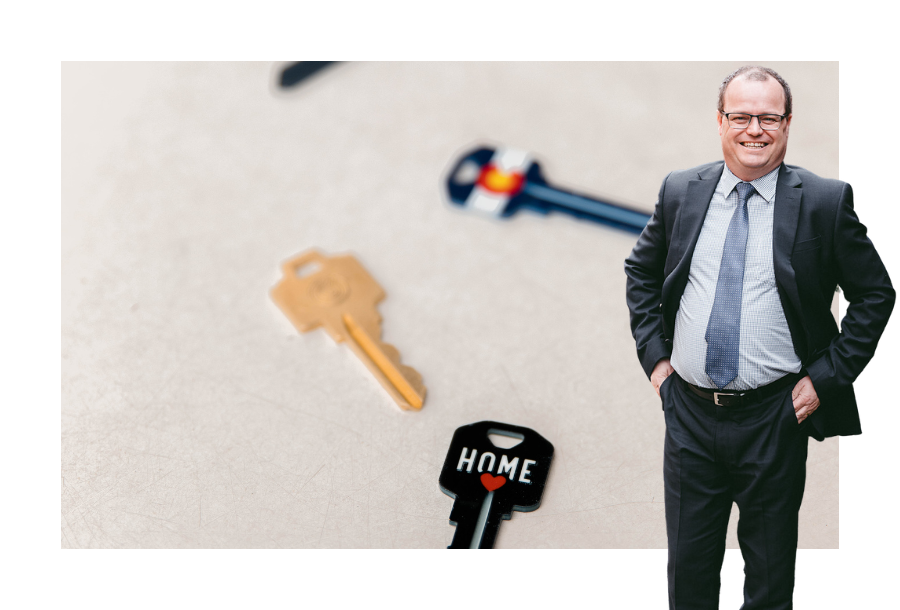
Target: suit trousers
(754,455)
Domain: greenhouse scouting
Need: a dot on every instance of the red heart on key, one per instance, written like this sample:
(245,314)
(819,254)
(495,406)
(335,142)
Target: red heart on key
(491,483)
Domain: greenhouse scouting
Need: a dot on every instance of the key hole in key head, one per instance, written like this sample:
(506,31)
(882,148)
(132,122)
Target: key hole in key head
(307,269)
(467,173)
(503,439)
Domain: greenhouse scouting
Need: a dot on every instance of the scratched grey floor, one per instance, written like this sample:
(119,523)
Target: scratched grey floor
(194,415)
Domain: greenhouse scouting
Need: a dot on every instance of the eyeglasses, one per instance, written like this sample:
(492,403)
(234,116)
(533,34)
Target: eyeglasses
(739,120)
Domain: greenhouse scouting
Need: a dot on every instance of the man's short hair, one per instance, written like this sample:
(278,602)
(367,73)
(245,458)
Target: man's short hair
(759,73)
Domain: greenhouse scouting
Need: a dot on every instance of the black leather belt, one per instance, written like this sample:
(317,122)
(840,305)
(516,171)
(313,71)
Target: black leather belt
(731,398)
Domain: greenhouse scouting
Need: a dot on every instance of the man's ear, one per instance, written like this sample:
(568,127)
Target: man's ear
(720,118)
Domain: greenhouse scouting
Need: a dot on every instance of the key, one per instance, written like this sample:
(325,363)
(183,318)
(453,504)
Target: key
(299,71)
(338,294)
(488,482)
(500,182)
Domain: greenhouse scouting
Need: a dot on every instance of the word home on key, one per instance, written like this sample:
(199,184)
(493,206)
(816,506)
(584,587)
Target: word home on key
(488,484)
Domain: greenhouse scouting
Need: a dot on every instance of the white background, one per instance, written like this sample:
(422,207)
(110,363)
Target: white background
(860,573)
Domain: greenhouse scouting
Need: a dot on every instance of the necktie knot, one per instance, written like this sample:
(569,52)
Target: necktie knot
(744,189)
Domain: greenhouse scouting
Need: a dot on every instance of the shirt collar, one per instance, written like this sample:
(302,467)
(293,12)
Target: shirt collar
(764,185)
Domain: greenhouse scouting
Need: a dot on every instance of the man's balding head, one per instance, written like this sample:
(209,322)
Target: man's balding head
(757,73)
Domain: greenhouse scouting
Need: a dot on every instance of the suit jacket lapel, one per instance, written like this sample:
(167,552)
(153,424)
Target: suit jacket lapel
(693,211)
(788,195)
(691,214)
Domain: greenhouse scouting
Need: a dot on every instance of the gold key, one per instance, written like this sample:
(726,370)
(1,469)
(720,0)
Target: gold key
(341,296)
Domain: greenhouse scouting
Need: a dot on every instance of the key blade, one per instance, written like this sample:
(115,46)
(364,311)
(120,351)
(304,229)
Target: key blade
(403,383)
(550,199)
(479,541)
(464,517)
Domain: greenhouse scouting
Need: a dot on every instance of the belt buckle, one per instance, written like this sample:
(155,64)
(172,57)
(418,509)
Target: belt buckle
(716,396)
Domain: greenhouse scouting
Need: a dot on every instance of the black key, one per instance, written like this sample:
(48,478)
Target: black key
(488,482)
(300,71)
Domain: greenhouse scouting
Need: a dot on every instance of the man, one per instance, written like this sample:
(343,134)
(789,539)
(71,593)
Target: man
(730,287)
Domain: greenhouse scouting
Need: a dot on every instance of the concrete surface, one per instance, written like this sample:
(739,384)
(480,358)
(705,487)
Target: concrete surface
(195,415)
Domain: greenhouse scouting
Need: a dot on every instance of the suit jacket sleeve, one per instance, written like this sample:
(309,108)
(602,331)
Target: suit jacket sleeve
(645,268)
(867,288)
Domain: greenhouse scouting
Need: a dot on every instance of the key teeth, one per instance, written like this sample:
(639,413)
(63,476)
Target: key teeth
(409,373)
(402,382)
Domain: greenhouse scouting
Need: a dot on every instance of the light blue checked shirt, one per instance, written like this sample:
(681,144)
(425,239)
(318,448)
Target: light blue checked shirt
(766,350)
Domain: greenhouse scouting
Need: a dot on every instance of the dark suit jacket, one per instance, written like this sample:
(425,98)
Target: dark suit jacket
(818,243)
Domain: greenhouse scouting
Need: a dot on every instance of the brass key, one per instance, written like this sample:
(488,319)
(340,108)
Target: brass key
(341,296)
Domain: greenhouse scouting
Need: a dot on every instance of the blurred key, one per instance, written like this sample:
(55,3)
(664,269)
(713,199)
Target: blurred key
(299,71)
(339,294)
(500,182)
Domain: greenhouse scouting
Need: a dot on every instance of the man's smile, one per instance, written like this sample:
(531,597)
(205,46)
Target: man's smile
(754,144)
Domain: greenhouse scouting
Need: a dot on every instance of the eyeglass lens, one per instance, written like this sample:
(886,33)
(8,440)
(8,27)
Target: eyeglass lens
(769,122)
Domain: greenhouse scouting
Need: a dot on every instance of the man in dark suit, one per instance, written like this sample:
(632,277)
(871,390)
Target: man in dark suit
(730,288)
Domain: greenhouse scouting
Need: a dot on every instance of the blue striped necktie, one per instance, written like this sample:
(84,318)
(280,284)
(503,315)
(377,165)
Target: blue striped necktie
(723,333)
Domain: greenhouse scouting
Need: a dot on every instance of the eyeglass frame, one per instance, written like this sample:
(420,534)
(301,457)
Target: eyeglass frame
(758,122)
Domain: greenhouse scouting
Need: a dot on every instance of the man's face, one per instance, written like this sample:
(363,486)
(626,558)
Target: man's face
(753,152)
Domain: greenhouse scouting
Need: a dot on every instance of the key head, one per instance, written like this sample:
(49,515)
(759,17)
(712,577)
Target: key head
(474,466)
(489,180)
(318,290)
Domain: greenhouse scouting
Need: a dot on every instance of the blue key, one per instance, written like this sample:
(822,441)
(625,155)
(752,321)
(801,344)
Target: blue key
(499,182)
